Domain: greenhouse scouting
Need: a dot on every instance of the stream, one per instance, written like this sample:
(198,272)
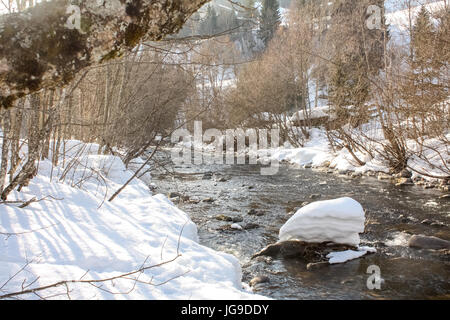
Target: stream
(393,215)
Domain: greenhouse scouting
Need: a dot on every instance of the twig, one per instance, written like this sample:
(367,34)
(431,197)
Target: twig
(28,202)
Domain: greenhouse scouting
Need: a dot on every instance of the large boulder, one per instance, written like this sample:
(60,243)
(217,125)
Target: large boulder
(301,250)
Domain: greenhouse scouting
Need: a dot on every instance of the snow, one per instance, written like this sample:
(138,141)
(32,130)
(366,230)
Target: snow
(316,151)
(348,255)
(314,113)
(400,18)
(75,232)
(339,221)
(236,226)
(344,256)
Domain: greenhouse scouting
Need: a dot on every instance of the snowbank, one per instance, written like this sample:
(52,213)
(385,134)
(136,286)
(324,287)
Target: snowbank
(339,221)
(318,153)
(74,232)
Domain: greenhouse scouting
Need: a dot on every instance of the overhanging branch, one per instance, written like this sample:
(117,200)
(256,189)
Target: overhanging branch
(48,44)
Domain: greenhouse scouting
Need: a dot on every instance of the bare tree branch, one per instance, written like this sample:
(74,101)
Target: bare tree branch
(39,48)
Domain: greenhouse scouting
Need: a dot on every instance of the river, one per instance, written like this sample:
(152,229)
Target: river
(393,214)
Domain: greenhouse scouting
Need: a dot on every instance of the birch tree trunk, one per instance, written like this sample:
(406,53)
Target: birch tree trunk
(6,131)
(16,130)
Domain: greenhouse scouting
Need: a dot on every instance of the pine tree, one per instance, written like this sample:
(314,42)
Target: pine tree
(232,24)
(209,25)
(358,53)
(247,20)
(424,88)
(422,38)
(214,25)
(269,21)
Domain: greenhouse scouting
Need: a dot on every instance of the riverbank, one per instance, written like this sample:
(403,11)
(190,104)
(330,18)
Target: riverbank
(142,243)
(318,155)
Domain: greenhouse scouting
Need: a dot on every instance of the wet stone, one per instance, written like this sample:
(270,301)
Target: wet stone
(237,219)
(172,195)
(222,217)
(404,174)
(236,226)
(427,242)
(316,265)
(438,224)
(259,280)
(207,176)
(250,226)
(403,182)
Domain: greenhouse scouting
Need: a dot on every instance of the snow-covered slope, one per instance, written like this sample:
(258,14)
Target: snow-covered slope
(72,233)
(399,20)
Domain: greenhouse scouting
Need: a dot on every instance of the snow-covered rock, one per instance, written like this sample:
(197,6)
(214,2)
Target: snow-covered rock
(339,221)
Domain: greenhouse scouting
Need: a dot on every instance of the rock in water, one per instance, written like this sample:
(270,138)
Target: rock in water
(258,280)
(222,217)
(339,221)
(424,242)
(301,250)
(236,226)
(316,265)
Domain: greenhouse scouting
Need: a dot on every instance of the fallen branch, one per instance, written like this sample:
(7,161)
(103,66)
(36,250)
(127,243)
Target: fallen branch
(25,204)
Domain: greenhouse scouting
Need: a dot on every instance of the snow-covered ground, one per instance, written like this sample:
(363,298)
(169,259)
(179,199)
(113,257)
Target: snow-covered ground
(73,233)
(399,19)
(315,113)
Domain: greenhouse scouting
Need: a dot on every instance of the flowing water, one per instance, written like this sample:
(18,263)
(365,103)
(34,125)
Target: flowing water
(393,215)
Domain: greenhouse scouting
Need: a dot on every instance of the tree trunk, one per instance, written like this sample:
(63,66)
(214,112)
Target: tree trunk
(54,40)
(15,141)
(6,130)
